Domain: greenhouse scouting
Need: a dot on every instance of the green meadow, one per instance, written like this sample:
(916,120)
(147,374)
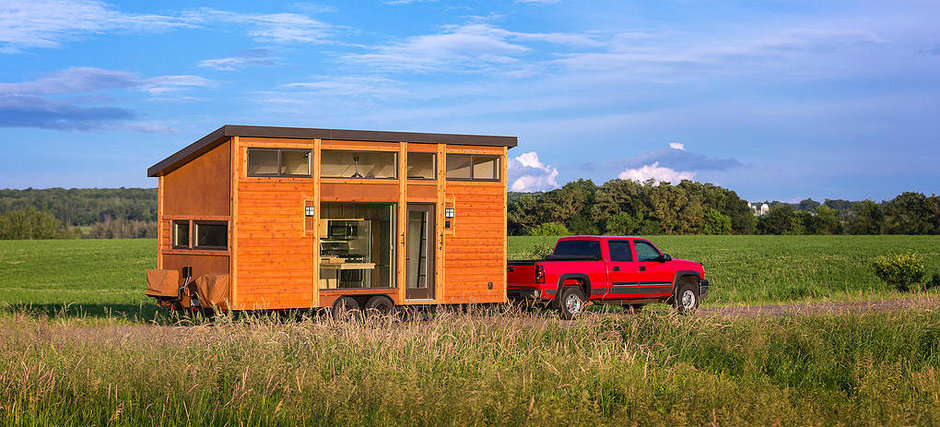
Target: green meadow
(80,345)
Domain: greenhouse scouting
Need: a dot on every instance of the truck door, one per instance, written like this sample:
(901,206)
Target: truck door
(654,277)
(621,270)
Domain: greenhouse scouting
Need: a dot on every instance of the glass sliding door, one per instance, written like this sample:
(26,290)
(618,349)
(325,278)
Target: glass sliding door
(419,248)
(357,245)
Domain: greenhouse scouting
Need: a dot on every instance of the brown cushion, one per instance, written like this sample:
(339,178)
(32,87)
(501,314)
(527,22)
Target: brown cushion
(163,283)
(212,290)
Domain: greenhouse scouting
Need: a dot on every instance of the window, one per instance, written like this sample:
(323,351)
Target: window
(278,162)
(211,235)
(422,166)
(583,248)
(459,166)
(357,245)
(472,167)
(620,250)
(181,234)
(358,164)
(645,252)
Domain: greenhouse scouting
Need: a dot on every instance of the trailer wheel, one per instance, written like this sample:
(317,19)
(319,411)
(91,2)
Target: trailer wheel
(686,298)
(380,304)
(571,302)
(345,308)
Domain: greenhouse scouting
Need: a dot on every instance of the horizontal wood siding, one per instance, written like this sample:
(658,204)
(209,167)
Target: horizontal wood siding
(275,258)
(475,252)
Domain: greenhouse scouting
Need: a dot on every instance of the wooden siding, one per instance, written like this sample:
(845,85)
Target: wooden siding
(200,187)
(274,255)
(475,247)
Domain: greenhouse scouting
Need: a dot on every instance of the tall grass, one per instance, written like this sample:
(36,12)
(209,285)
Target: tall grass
(450,369)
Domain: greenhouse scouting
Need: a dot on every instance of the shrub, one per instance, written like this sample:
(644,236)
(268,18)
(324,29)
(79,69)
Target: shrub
(900,271)
(933,282)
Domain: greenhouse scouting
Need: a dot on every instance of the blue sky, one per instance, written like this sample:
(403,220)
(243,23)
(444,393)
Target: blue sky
(775,100)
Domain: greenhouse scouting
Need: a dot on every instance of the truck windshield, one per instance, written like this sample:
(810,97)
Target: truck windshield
(581,248)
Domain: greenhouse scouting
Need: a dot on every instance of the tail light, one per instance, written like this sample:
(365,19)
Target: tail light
(539,274)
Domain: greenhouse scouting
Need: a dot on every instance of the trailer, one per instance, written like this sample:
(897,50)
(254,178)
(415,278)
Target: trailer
(259,218)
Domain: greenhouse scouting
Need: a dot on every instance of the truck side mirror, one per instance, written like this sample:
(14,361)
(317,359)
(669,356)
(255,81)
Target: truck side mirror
(665,258)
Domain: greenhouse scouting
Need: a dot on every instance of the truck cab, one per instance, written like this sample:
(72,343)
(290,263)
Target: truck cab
(619,270)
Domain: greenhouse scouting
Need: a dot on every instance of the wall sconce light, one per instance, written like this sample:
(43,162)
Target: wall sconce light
(310,210)
(448,212)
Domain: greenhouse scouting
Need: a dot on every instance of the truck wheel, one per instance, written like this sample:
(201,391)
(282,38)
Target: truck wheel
(345,308)
(686,299)
(571,302)
(380,304)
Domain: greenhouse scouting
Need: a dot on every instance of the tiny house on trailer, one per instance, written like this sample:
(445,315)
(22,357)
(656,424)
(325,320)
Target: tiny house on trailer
(288,218)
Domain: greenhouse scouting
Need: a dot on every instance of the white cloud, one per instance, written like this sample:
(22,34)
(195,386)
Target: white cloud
(47,23)
(247,58)
(351,86)
(656,173)
(467,47)
(528,174)
(273,27)
(677,146)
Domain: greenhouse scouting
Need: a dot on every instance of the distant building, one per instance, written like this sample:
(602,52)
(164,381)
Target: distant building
(759,209)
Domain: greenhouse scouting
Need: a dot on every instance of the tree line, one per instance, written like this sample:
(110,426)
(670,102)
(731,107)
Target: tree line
(57,213)
(624,207)
(620,207)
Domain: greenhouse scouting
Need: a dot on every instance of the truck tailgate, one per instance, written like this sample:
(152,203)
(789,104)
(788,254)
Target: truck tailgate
(520,272)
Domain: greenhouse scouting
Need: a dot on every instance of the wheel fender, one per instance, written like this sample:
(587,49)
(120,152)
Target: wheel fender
(679,275)
(583,278)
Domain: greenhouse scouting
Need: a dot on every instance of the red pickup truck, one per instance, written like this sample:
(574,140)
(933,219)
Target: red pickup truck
(626,271)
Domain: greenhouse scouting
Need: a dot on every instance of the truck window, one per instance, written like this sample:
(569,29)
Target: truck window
(620,250)
(646,252)
(585,248)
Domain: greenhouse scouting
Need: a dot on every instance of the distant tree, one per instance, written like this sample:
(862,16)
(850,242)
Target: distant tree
(522,214)
(549,229)
(825,221)
(30,223)
(868,219)
(716,222)
(781,219)
(808,205)
(623,224)
(908,213)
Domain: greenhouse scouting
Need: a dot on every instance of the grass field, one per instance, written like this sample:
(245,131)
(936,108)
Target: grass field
(459,369)
(106,276)
(103,361)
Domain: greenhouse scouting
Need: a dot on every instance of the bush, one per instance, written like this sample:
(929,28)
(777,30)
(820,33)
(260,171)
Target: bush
(549,229)
(901,271)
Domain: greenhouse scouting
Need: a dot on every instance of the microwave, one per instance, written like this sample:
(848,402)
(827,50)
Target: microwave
(343,231)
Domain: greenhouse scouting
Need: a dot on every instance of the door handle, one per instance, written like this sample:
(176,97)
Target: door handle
(616,268)
(642,268)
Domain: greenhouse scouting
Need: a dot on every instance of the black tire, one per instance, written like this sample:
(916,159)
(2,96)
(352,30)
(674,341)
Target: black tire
(380,304)
(687,297)
(345,308)
(571,302)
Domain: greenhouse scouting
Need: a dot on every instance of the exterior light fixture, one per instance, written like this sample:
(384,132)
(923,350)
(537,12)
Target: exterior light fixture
(310,210)
(448,212)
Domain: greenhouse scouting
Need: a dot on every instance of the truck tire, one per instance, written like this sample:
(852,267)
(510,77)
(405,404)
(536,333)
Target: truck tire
(345,308)
(571,302)
(687,297)
(380,304)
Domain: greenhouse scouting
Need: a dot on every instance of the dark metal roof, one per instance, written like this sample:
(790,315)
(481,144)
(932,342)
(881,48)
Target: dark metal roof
(221,134)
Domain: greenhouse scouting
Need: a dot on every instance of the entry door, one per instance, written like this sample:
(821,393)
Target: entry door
(419,249)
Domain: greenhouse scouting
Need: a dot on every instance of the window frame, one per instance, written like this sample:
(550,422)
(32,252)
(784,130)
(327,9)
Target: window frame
(610,250)
(195,235)
(433,164)
(637,242)
(498,169)
(189,233)
(393,153)
(278,174)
